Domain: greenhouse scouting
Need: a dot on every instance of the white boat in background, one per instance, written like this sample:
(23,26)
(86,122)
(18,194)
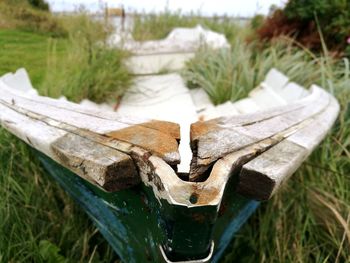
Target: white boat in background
(168,54)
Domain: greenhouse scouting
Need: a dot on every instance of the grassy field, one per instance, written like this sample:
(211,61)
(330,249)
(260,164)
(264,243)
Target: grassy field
(308,221)
(29,50)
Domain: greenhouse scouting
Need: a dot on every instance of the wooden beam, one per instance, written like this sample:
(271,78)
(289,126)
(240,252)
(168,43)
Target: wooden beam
(108,168)
(261,177)
(70,117)
(216,138)
(101,165)
(114,152)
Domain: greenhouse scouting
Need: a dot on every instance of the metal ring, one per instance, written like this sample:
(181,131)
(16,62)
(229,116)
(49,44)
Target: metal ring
(204,260)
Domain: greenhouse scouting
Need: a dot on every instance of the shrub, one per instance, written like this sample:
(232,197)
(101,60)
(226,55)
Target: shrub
(257,21)
(19,14)
(40,4)
(231,74)
(305,19)
(36,21)
(91,69)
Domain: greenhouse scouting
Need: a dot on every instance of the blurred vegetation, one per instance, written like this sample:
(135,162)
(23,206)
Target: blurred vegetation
(158,26)
(232,74)
(91,69)
(29,50)
(257,21)
(19,14)
(39,4)
(305,20)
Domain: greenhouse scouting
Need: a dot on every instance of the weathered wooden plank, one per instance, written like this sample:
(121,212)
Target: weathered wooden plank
(214,139)
(246,119)
(249,119)
(64,104)
(292,92)
(148,139)
(266,97)
(311,135)
(35,133)
(61,110)
(277,124)
(245,106)
(105,147)
(262,177)
(101,165)
(165,132)
(104,166)
(167,98)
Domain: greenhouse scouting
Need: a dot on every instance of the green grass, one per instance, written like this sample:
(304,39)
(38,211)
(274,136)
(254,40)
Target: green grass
(231,74)
(37,216)
(19,14)
(28,50)
(90,69)
(64,67)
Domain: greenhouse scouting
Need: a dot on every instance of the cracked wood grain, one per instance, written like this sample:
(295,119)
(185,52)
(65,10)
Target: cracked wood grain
(261,177)
(116,152)
(109,168)
(167,134)
(216,138)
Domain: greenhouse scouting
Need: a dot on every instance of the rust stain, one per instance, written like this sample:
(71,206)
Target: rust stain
(205,196)
(171,128)
(203,127)
(152,140)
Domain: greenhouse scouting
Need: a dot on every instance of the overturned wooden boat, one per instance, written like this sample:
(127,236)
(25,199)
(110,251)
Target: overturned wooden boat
(123,170)
(168,54)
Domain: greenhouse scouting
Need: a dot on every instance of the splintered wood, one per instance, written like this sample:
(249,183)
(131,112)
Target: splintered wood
(116,152)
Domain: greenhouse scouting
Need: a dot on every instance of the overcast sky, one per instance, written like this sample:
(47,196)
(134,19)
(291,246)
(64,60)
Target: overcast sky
(206,7)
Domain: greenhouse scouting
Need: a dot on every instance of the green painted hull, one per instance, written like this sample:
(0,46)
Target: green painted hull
(139,227)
